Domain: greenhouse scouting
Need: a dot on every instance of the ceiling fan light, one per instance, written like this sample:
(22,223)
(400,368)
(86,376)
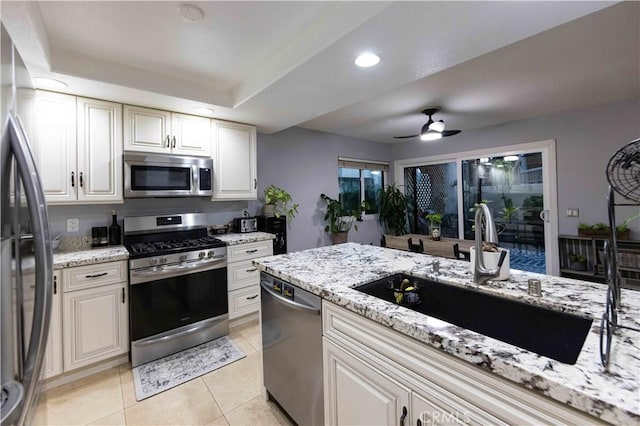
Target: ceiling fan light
(437,126)
(367,59)
(430,136)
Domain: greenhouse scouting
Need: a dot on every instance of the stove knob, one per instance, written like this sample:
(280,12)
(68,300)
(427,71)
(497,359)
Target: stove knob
(163,260)
(201,255)
(153,261)
(183,257)
(210,253)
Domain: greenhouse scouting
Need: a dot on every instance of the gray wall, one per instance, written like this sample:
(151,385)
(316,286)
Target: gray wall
(585,140)
(305,163)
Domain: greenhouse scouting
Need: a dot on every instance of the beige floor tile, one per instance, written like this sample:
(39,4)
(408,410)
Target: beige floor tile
(257,412)
(250,331)
(188,404)
(220,421)
(86,401)
(128,389)
(236,383)
(116,419)
(241,342)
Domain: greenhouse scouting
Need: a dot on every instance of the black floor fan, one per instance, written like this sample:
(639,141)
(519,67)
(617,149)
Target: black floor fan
(623,174)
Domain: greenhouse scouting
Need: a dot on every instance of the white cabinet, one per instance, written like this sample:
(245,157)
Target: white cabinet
(235,161)
(370,371)
(53,355)
(164,132)
(55,146)
(99,151)
(95,315)
(243,279)
(358,394)
(78,148)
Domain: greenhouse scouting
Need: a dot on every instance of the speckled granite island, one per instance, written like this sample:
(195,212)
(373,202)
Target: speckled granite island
(249,237)
(331,272)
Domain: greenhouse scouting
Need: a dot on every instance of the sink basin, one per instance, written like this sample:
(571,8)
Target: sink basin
(553,334)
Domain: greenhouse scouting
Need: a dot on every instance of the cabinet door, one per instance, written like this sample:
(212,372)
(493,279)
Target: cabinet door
(55,146)
(94,324)
(356,393)
(99,151)
(427,413)
(234,156)
(191,135)
(146,130)
(53,354)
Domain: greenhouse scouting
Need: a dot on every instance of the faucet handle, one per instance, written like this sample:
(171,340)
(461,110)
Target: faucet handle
(503,255)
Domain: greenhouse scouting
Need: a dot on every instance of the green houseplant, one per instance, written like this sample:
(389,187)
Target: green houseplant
(339,220)
(393,210)
(278,202)
(435,220)
(577,262)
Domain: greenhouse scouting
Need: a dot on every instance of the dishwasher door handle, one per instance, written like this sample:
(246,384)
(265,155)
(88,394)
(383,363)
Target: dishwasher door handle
(290,303)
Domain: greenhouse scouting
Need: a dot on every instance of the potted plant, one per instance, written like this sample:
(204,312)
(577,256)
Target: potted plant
(339,220)
(435,221)
(393,210)
(278,202)
(601,230)
(577,262)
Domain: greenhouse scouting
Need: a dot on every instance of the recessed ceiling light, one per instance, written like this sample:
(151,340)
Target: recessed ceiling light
(203,110)
(49,83)
(511,158)
(367,60)
(191,13)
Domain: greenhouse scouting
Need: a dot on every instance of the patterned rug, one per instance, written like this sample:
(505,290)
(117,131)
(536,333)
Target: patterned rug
(164,373)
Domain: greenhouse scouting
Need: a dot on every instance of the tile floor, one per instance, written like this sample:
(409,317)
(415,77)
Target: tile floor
(231,395)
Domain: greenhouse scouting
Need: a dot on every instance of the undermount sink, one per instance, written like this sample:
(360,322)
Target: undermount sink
(553,334)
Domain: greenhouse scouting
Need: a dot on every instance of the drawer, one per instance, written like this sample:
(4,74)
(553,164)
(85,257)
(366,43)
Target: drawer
(244,301)
(242,274)
(249,251)
(94,275)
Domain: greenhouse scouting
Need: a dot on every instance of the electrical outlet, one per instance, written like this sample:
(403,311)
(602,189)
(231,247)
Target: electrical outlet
(245,213)
(73,224)
(576,212)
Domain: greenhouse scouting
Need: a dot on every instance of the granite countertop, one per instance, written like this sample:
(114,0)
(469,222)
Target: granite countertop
(69,259)
(612,396)
(249,237)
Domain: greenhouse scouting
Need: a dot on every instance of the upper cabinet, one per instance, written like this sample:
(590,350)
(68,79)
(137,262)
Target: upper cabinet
(235,161)
(164,132)
(78,147)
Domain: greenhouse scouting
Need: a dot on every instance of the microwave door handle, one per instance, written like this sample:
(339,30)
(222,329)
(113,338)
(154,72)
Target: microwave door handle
(194,179)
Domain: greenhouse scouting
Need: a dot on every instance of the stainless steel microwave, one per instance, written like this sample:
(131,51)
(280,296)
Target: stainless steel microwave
(160,175)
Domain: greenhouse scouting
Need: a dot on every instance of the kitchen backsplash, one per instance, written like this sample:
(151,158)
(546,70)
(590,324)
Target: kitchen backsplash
(220,212)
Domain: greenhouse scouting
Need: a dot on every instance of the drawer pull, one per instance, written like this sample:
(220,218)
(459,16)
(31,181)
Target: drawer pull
(251,251)
(96,275)
(251,270)
(55,285)
(403,416)
(252,297)
(122,294)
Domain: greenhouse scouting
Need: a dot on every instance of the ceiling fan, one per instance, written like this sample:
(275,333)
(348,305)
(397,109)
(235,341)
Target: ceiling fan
(432,130)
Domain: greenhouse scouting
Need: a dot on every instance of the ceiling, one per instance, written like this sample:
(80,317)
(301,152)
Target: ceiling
(283,64)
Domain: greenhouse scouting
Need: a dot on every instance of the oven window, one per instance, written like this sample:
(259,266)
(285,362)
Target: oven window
(155,178)
(165,304)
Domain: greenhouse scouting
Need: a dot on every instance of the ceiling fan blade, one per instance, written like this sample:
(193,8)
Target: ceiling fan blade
(405,137)
(446,133)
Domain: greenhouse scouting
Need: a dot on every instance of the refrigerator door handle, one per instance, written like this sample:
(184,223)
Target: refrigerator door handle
(36,203)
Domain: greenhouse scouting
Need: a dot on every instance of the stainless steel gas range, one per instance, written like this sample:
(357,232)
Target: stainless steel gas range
(178,284)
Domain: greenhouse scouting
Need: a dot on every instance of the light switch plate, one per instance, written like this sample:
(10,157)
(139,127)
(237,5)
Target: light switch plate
(73,224)
(569,212)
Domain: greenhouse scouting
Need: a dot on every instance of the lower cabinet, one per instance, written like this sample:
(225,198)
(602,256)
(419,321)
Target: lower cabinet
(243,279)
(358,394)
(375,375)
(89,319)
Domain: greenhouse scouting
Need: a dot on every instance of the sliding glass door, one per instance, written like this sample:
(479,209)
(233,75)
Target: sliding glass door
(517,183)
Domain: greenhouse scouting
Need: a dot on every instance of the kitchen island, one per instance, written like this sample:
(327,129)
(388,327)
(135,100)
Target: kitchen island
(614,396)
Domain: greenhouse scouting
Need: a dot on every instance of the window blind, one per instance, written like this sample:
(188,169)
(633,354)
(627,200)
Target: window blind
(352,163)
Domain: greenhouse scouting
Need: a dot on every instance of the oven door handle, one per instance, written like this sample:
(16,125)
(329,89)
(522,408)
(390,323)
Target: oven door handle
(192,265)
(163,271)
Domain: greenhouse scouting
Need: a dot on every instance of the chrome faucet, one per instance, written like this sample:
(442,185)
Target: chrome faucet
(481,274)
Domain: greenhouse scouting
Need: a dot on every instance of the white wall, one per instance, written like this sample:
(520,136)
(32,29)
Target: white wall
(585,140)
(305,163)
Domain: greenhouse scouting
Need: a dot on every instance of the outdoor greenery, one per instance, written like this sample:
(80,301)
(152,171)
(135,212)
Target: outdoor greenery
(393,210)
(281,200)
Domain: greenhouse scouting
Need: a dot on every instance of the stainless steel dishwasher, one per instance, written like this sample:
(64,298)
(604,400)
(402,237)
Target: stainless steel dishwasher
(292,349)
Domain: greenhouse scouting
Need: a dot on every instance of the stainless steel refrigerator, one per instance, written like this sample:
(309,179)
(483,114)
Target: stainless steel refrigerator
(26,258)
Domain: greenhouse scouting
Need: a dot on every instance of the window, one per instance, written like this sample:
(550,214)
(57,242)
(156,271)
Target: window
(360,180)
